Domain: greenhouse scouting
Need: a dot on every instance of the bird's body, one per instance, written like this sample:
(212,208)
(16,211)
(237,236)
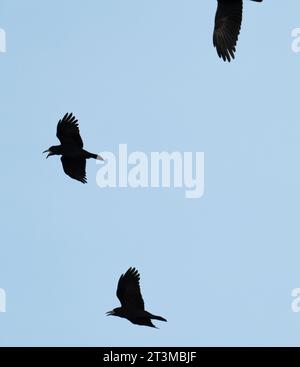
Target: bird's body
(132,302)
(137,317)
(228,22)
(71,149)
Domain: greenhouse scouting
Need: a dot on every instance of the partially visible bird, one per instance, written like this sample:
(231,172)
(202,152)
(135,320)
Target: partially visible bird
(71,149)
(228,22)
(132,303)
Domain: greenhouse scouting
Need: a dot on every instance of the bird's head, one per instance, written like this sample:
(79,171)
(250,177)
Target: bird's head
(114,312)
(54,150)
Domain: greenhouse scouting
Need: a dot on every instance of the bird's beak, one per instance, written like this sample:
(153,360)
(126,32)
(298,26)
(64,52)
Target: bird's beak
(49,153)
(110,313)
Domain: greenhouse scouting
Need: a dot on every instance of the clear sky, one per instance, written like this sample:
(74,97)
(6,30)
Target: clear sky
(221,268)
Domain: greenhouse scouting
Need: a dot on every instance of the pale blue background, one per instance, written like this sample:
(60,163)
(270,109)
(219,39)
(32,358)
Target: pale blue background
(142,72)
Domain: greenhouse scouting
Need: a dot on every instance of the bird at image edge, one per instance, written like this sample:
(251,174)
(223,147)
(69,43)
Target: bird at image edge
(132,303)
(228,22)
(71,149)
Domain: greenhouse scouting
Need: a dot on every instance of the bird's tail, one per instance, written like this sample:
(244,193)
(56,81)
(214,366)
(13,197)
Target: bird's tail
(154,317)
(95,156)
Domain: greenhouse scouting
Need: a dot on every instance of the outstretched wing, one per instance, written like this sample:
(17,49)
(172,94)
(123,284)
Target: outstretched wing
(129,292)
(227,27)
(75,167)
(68,131)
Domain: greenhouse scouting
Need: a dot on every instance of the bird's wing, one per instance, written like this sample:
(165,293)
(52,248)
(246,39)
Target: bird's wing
(128,291)
(74,167)
(68,131)
(227,27)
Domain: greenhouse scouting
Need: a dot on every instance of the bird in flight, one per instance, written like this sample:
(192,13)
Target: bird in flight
(129,294)
(71,149)
(228,22)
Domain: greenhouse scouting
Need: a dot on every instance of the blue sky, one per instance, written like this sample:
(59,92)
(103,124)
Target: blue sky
(221,269)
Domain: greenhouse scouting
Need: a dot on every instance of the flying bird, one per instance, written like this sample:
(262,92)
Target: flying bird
(71,149)
(129,294)
(228,22)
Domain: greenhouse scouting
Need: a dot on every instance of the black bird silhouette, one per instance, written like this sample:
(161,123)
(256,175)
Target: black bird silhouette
(71,149)
(228,22)
(129,294)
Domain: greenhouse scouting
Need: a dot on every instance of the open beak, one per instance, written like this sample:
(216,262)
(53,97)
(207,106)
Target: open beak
(110,313)
(49,153)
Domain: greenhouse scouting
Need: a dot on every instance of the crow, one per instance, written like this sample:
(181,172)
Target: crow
(71,149)
(228,22)
(132,303)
